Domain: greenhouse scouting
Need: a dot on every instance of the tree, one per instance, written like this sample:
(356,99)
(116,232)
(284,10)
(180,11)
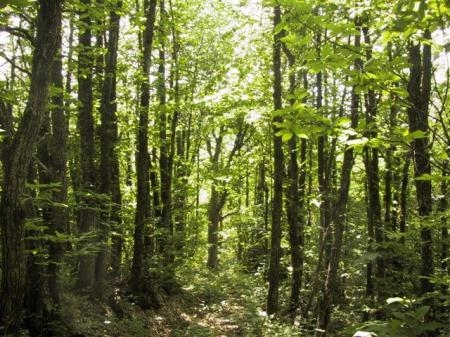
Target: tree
(109,160)
(419,90)
(88,214)
(277,201)
(137,280)
(17,156)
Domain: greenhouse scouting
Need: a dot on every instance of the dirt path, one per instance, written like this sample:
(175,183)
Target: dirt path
(187,315)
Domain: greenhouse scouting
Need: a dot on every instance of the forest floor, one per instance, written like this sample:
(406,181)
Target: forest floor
(222,304)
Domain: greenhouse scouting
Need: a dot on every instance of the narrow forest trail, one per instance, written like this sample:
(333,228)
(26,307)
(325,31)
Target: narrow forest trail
(199,318)
(211,305)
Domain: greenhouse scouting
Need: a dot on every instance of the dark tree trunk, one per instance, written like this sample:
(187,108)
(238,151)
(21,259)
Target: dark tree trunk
(34,298)
(215,206)
(443,207)
(323,176)
(219,194)
(109,161)
(16,160)
(277,202)
(419,87)
(58,167)
(88,215)
(339,215)
(165,153)
(373,181)
(293,202)
(142,156)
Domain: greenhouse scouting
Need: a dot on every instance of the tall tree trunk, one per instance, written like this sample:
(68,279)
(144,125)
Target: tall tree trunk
(339,218)
(34,299)
(109,161)
(373,180)
(419,88)
(58,167)
(216,202)
(88,215)
(16,160)
(293,201)
(165,155)
(443,207)
(277,202)
(142,157)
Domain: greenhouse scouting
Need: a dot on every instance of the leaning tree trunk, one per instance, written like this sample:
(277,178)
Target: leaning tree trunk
(16,160)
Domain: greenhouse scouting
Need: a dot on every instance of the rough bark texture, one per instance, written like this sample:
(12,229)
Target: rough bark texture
(293,202)
(373,181)
(109,161)
(277,202)
(16,160)
(88,215)
(58,167)
(419,87)
(142,156)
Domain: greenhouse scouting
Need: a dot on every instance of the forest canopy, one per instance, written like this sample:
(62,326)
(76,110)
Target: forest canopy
(224,168)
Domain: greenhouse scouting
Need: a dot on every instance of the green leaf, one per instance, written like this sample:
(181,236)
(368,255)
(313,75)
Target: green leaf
(421,312)
(418,134)
(19,3)
(425,177)
(286,136)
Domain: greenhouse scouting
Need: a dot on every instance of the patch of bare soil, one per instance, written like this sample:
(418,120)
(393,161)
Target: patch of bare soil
(182,315)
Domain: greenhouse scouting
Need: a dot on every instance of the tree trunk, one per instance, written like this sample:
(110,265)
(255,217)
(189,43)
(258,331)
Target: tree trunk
(419,87)
(293,202)
(373,181)
(58,167)
(16,160)
(142,157)
(277,202)
(88,215)
(109,161)
(339,212)
(443,207)
(215,206)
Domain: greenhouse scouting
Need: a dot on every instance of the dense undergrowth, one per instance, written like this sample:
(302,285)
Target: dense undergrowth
(224,303)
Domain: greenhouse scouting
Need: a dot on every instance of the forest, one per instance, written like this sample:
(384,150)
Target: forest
(224,168)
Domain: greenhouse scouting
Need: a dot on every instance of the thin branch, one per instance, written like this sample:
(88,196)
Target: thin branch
(19,32)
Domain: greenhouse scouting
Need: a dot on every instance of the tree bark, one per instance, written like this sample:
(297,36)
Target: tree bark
(294,202)
(142,156)
(88,215)
(109,161)
(277,202)
(419,88)
(58,167)
(338,216)
(16,160)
